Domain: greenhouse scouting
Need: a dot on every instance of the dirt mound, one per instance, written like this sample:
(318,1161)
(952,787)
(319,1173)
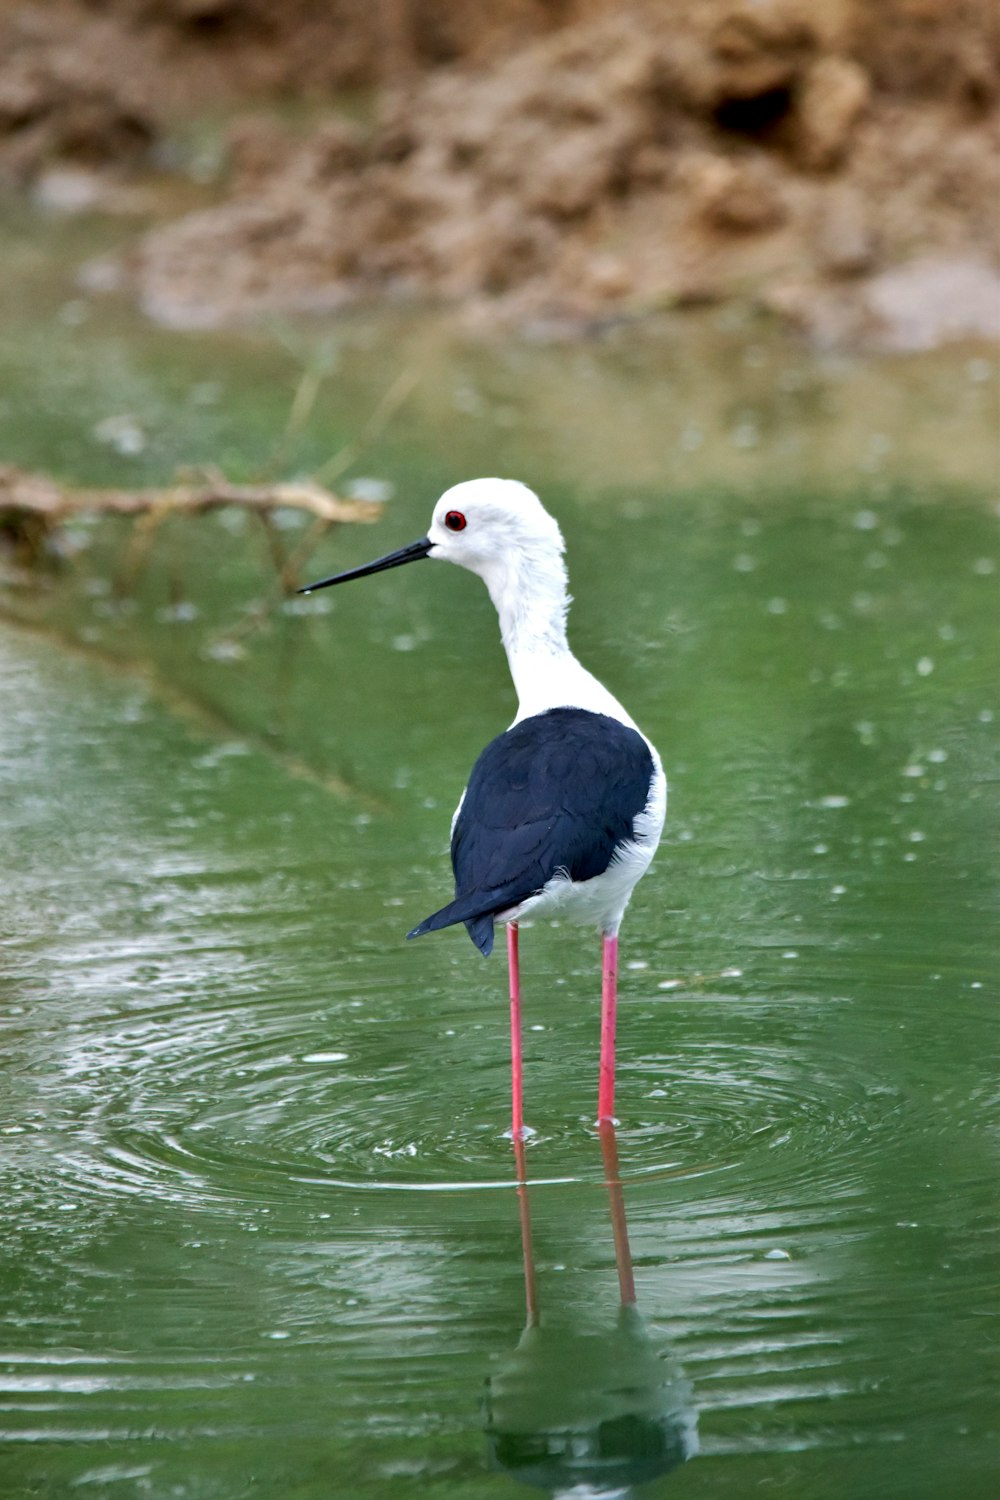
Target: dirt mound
(576,161)
(621,164)
(60,100)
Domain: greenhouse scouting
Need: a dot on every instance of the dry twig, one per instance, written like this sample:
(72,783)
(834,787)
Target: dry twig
(33,506)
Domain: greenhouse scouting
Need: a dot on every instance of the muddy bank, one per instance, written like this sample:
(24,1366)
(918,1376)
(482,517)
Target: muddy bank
(836,163)
(104,82)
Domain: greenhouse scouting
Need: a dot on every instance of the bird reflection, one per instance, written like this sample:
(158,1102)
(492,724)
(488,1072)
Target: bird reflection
(587,1413)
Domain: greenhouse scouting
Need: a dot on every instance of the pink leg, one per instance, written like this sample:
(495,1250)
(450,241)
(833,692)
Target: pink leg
(619,1223)
(609,1005)
(516,1072)
(527,1250)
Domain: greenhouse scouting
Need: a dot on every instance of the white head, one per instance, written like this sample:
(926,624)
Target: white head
(500,530)
(495,527)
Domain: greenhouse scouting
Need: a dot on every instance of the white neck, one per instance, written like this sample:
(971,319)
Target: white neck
(531,598)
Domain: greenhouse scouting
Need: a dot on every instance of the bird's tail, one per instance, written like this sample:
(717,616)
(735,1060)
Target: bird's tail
(463,909)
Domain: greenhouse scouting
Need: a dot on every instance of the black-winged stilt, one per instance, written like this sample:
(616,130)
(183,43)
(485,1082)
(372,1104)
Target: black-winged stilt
(564,810)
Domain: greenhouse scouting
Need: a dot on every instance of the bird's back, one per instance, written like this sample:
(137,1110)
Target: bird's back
(556,796)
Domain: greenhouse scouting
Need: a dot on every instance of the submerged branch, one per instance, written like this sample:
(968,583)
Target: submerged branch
(36,495)
(33,506)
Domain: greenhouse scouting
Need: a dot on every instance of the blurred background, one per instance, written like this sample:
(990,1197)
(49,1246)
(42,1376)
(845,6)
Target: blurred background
(542,163)
(721,281)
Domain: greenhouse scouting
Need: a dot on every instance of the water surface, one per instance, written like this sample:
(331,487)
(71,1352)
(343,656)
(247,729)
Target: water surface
(261,1233)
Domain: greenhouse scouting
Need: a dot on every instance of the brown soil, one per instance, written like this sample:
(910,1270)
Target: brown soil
(836,161)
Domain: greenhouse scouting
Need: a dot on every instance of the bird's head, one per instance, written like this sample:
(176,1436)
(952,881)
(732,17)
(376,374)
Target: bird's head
(487,524)
(493,527)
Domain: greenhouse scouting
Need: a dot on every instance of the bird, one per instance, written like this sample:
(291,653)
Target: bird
(564,810)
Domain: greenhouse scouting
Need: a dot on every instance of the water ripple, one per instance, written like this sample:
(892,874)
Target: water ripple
(218,1109)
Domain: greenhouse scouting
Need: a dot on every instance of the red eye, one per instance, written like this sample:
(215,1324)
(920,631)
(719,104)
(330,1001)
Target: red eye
(455,521)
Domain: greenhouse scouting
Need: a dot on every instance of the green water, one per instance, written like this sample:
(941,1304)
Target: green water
(261,1235)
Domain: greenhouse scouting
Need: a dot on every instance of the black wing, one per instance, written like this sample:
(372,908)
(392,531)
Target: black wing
(558,792)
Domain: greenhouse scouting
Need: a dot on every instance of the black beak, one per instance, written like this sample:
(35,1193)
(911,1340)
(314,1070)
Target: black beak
(411,553)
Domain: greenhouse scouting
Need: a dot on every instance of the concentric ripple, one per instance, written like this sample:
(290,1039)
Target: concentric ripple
(254,1105)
